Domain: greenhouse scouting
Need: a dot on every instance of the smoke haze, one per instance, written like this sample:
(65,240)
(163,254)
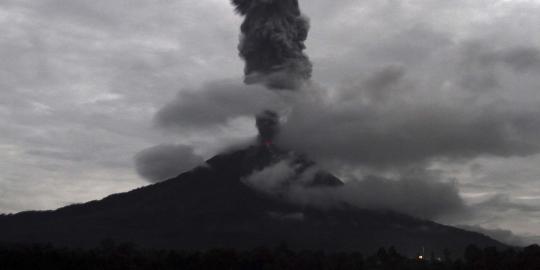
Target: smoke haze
(165,161)
(386,121)
(419,194)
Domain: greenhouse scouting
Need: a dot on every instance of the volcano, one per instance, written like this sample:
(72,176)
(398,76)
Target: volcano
(212,207)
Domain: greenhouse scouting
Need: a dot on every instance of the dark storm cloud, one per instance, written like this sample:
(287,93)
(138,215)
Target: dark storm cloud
(214,104)
(165,161)
(272,43)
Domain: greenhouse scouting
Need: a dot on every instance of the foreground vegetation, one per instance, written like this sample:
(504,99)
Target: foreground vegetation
(127,256)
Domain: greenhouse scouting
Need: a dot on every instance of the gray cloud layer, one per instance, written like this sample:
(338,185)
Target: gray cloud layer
(79,84)
(383,121)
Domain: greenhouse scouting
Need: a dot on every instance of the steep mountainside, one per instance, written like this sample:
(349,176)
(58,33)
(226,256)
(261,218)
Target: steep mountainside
(211,207)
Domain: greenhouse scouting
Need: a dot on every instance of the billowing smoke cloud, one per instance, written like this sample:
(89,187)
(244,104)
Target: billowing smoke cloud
(273,178)
(386,121)
(165,161)
(272,43)
(214,104)
(421,195)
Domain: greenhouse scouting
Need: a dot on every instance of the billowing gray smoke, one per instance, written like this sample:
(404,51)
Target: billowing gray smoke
(272,43)
(165,161)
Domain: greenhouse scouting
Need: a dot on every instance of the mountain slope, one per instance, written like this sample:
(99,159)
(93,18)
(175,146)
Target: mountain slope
(211,207)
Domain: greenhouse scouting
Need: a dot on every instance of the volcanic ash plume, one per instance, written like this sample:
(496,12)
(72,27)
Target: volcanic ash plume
(268,125)
(272,43)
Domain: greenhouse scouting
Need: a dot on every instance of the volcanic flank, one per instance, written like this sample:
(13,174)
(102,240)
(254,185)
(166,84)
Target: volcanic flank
(213,207)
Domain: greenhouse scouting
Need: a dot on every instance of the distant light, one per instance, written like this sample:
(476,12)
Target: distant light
(420,257)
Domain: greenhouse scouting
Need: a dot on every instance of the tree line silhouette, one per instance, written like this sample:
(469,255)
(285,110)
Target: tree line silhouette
(126,256)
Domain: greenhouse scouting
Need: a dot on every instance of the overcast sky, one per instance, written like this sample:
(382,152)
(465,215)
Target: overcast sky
(81,83)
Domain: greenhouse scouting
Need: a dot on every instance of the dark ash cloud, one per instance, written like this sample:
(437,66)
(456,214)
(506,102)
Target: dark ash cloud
(272,43)
(165,161)
(386,121)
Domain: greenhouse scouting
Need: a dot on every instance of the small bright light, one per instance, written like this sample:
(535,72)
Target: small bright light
(420,257)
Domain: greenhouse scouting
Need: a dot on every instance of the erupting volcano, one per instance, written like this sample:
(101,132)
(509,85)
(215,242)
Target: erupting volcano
(244,198)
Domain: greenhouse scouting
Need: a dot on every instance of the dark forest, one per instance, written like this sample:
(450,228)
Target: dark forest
(110,255)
